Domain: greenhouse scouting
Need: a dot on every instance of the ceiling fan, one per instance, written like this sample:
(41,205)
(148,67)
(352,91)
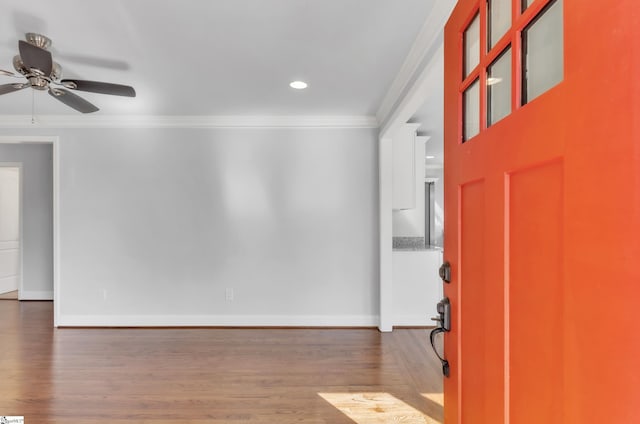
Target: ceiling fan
(36,64)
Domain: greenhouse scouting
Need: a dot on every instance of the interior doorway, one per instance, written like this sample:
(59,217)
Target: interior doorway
(10,230)
(39,226)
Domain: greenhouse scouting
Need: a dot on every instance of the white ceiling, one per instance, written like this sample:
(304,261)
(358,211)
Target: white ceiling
(219,57)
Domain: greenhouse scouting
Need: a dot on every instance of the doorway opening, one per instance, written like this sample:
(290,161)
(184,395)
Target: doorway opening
(36,157)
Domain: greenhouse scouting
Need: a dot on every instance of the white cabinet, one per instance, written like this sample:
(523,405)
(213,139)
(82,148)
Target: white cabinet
(417,288)
(411,222)
(404,167)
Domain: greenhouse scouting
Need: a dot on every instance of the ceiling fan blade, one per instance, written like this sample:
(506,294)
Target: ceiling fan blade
(35,58)
(99,87)
(7,73)
(72,100)
(10,88)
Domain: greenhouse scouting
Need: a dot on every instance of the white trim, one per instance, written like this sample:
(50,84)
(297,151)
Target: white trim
(46,295)
(56,230)
(385,199)
(416,95)
(21,227)
(218,320)
(21,139)
(152,121)
(415,58)
(35,295)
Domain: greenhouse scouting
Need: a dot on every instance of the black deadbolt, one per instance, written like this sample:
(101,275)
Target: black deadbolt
(445,272)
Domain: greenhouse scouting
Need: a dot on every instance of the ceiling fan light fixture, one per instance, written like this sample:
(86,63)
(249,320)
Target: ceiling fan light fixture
(38,40)
(298,85)
(56,72)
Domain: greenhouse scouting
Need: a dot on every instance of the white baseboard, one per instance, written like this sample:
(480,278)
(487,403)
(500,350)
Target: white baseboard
(9,284)
(218,320)
(35,295)
(422,320)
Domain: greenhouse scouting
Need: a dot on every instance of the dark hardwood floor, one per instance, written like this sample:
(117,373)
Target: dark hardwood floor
(212,375)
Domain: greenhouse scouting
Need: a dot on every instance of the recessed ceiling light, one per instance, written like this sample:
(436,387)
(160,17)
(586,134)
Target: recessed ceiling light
(298,85)
(430,157)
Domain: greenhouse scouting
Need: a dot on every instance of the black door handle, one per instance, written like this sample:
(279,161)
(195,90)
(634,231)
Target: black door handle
(444,362)
(444,325)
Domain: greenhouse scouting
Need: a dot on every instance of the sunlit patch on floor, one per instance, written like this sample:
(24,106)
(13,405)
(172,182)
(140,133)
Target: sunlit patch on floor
(435,397)
(373,408)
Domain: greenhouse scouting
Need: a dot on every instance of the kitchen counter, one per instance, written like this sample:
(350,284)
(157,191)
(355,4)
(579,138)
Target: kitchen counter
(417,249)
(417,286)
(412,244)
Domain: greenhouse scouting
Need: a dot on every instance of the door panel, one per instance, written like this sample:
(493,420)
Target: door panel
(542,216)
(474,343)
(535,318)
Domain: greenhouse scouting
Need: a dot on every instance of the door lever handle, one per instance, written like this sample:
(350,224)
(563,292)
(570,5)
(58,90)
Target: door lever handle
(444,325)
(444,362)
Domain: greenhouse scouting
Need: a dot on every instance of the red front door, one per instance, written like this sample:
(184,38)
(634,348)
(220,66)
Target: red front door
(542,211)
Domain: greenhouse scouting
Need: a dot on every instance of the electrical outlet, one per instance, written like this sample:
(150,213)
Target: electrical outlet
(229,294)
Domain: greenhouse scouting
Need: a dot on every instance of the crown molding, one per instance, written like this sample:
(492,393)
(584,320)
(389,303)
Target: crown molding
(156,121)
(416,58)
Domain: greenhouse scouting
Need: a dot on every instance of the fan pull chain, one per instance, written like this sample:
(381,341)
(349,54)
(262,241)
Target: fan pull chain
(33,107)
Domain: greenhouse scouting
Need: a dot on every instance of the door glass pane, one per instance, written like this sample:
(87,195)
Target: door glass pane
(471,99)
(472,46)
(542,52)
(499,88)
(499,20)
(526,3)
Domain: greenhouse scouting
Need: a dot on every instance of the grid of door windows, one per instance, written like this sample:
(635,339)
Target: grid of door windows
(500,33)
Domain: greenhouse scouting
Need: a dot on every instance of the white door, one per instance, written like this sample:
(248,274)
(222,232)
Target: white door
(9,228)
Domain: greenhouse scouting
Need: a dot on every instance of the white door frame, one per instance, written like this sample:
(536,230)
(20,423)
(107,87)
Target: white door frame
(20,230)
(55,143)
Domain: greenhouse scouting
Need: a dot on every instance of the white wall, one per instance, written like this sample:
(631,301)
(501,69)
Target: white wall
(156,224)
(37,216)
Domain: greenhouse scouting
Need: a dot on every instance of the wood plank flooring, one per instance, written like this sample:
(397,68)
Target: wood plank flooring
(12,295)
(162,376)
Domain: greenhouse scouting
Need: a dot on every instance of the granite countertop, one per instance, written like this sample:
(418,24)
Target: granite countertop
(412,244)
(418,249)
